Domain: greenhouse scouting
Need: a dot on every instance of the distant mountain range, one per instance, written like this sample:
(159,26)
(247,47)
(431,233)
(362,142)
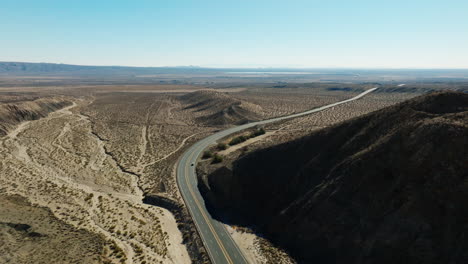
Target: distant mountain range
(28,68)
(21,68)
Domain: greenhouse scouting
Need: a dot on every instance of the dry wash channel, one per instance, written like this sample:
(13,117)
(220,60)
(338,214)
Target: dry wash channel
(58,163)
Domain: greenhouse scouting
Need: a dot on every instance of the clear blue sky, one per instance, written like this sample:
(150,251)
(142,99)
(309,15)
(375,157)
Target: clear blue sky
(303,33)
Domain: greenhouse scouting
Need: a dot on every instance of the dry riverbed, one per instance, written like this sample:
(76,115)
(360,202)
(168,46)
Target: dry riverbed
(62,167)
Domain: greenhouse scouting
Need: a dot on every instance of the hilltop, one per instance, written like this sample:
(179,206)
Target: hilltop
(218,109)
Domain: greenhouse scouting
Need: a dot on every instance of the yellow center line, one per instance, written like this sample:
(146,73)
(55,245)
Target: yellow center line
(204,215)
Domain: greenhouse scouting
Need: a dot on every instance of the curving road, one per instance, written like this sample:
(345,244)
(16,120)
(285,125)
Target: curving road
(219,244)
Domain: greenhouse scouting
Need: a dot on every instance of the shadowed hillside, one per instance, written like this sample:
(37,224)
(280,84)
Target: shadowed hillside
(218,109)
(388,187)
(11,114)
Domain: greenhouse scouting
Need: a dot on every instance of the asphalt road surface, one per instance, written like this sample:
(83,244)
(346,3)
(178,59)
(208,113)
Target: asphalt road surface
(218,242)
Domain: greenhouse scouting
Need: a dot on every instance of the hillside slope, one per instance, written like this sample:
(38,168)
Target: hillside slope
(388,187)
(11,114)
(218,109)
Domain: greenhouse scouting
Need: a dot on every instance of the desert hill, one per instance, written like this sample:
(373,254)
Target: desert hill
(218,109)
(11,114)
(387,187)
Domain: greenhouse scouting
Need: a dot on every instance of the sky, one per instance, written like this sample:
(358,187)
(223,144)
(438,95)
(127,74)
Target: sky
(255,33)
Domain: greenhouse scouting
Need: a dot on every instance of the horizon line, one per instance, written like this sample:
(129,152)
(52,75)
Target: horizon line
(247,67)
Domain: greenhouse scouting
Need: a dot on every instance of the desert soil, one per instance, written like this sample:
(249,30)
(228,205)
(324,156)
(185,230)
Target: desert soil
(59,164)
(87,167)
(31,234)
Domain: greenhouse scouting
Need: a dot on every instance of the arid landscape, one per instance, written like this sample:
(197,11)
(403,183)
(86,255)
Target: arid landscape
(233,132)
(59,164)
(88,171)
(335,195)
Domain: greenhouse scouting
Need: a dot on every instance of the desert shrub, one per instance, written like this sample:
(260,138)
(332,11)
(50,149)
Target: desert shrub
(207,154)
(258,132)
(238,140)
(222,146)
(89,197)
(217,158)
(242,138)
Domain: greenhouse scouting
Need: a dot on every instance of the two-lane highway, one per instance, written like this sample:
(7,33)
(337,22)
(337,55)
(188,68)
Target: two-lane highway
(218,242)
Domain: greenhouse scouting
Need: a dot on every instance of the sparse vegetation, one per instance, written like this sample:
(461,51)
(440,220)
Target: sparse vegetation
(64,146)
(207,154)
(89,197)
(124,140)
(258,132)
(217,158)
(221,146)
(239,139)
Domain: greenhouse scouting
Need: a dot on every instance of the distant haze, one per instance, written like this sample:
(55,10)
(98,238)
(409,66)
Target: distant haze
(238,34)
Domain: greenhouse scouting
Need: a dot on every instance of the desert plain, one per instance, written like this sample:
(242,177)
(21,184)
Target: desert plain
(88,170)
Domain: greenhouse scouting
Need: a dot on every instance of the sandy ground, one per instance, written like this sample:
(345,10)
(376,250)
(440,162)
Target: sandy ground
(89,163)
(225,90)
(256,249)
(31,234)
(246,242)
(58,163)
(145,132)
